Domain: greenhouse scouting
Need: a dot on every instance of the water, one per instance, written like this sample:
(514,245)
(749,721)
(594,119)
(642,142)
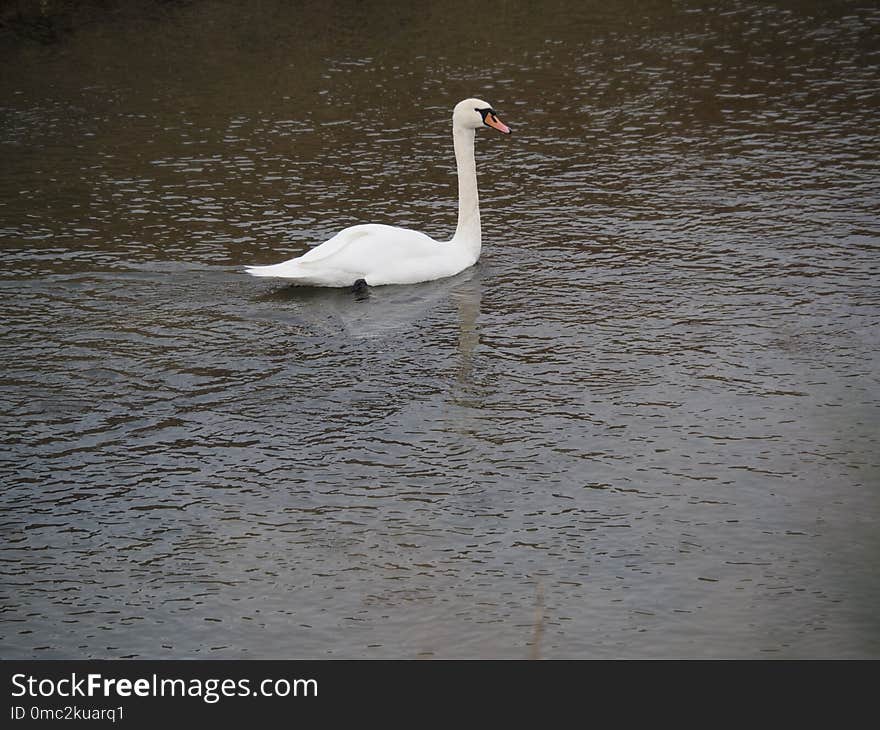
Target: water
(645,425)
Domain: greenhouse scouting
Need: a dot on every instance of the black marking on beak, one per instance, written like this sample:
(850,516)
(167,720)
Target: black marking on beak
(484,112)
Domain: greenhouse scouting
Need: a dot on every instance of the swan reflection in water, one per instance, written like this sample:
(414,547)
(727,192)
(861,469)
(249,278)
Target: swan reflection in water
(396,314)
(386,311)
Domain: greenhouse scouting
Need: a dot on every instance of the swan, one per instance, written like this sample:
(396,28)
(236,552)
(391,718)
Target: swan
(376,254)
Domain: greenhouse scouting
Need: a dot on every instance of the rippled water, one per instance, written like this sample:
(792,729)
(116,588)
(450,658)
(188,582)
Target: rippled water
(645,425)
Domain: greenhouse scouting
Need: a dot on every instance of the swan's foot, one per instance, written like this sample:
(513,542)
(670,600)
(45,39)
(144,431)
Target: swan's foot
(360,286)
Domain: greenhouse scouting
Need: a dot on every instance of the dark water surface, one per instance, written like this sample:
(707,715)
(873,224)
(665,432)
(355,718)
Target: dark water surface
(645,425)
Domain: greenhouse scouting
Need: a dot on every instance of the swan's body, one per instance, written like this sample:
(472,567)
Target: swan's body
(376,253)
(379,254)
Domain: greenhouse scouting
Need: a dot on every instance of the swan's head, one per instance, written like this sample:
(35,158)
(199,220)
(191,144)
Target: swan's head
(476,113)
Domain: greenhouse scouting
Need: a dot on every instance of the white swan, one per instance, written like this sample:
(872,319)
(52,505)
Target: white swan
(376,254)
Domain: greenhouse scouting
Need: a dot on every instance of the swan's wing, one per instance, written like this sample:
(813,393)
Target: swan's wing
(366,247)
(334,245)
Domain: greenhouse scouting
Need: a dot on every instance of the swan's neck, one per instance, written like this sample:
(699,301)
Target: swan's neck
(467,234)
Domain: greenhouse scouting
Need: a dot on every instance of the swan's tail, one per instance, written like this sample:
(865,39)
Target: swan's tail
(294,272)
(286,270)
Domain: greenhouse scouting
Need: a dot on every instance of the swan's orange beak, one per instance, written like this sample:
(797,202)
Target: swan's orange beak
(494,122)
